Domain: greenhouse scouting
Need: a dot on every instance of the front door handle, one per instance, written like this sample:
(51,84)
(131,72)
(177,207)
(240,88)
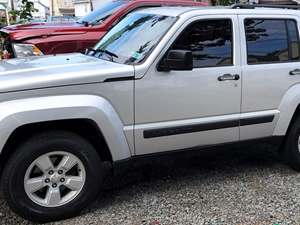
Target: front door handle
(295,72)
(228,76)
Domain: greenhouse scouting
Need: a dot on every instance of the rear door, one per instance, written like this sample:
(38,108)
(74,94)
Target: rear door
(270,50)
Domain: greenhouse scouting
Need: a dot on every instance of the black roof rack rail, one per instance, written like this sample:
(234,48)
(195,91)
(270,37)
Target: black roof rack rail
(247,6)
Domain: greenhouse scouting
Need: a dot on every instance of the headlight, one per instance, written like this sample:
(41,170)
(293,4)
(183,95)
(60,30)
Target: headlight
(25,50)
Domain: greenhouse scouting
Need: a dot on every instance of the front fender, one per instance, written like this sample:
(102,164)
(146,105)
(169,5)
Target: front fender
(287,108)
(16,113)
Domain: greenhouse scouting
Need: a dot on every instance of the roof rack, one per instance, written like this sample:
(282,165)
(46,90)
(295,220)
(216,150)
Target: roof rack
(246,6)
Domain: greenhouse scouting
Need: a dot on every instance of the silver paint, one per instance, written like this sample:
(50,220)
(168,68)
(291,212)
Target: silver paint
(72,86)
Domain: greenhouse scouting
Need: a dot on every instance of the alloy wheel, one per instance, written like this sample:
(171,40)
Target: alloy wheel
(54,179)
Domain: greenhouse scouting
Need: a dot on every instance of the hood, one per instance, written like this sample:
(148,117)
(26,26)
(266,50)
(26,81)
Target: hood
(54,71)
(24,31)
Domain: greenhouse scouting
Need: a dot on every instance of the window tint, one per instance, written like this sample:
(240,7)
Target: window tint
(210,41)
(271,40)
(293,39)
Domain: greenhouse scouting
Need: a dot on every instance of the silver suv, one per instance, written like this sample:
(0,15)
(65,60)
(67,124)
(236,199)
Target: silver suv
(163,79)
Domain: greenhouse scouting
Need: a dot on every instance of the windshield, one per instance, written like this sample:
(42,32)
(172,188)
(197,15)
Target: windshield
(133,39)
(99,15)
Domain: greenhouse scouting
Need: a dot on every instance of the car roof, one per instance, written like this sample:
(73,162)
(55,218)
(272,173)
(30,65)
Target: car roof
(176,11)
(168,2)
(188,2)
(167,10)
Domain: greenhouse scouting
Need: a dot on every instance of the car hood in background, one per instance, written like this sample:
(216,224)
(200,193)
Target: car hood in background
(24,31)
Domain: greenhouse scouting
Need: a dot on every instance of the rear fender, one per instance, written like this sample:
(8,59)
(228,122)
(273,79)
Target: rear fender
(287,108)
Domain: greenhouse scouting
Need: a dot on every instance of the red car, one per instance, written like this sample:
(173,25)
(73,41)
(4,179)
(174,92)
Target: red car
(54,38)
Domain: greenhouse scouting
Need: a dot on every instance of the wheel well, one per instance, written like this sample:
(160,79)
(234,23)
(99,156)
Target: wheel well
(83,127)
(294,117)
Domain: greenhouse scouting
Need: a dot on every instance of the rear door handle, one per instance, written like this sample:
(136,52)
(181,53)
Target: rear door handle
(228,76)
(295,72)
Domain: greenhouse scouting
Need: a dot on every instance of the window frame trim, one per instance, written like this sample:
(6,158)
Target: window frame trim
(287,34)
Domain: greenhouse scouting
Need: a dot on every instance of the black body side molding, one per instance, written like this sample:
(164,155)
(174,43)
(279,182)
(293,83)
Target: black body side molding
(161,132)
(115,79)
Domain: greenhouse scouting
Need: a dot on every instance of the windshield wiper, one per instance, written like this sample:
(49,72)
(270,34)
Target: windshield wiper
(101,20)
(85,23)
(95,51)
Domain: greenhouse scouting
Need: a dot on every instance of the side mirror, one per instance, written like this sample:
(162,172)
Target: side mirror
(177,60)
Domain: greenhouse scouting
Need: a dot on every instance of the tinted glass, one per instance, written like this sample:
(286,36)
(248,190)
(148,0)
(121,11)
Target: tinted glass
(99,15)
(133,39)
(271,40)
(293,39)
(210,42)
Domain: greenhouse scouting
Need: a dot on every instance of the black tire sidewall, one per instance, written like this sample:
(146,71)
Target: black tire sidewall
(292,152)
(13,185)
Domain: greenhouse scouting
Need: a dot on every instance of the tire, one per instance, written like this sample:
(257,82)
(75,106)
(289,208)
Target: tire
(291,150)
(22,167)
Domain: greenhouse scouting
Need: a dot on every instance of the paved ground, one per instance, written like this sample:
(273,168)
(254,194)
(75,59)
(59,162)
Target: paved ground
(232,187)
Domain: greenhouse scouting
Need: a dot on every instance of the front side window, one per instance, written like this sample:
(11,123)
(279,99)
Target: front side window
(211,42)
(271,40)
(132,40)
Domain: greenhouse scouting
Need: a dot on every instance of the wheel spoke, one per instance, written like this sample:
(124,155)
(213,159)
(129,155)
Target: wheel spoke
(34,184)
(44,163)
(54,179)
(67,162)
(53,196)
(74,183)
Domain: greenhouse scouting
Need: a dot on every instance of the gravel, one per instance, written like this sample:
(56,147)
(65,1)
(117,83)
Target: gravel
(237,186)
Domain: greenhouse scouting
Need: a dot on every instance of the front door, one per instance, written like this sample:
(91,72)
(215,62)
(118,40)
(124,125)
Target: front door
(185,109)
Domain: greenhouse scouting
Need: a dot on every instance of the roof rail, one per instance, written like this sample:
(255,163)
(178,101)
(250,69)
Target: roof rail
(246,6)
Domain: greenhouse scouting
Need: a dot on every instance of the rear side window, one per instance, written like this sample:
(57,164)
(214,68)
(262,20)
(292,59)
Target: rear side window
(271,40)
(210,42)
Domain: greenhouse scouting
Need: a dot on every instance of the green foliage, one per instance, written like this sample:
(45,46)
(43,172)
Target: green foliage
(25,12)
(2,22)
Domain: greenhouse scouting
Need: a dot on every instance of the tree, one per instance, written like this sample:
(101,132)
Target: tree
(25,11)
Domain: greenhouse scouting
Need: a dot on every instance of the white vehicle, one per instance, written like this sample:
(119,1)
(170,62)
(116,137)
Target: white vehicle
(162,80)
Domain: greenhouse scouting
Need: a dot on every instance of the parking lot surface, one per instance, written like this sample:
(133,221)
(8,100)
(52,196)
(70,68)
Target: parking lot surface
(236,186)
